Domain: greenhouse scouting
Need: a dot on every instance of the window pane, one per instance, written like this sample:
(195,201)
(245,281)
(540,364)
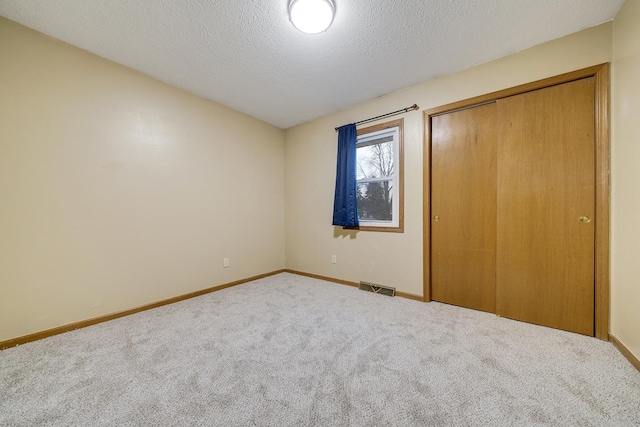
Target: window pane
(375,201)
(375,161)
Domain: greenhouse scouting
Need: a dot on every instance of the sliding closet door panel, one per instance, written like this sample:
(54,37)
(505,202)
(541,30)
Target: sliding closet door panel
(546,206)
(463,207)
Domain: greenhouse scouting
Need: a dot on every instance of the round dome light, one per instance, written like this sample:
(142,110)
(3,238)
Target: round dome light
(311,16)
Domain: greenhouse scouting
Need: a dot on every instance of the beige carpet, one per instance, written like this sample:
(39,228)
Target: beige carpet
(293,351)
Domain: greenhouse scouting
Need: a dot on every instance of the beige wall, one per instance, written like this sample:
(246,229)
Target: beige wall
(389,258)
(117,190)
(625,170)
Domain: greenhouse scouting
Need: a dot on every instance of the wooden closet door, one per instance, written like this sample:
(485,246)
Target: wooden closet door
(546,205)
(463,208)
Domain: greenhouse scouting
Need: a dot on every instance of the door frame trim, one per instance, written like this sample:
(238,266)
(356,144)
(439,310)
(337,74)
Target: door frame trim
(602,175)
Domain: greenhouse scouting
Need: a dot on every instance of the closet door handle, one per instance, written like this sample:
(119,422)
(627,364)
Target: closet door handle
(585,219)
(436,218)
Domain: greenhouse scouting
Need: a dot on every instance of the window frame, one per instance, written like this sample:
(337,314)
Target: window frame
(398,181)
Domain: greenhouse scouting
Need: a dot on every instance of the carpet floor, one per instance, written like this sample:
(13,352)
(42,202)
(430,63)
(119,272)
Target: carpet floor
(288,350)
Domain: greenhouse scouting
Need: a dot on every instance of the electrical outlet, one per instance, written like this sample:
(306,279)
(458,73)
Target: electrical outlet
(225,262)
(334,259)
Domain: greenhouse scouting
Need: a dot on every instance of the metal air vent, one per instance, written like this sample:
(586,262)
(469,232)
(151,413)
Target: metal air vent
(378,289)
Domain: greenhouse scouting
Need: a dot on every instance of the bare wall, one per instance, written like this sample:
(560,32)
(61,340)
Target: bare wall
(117,190)
(625,237)
(390,258)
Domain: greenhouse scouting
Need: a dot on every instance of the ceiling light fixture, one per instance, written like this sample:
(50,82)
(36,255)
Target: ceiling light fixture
(311,16)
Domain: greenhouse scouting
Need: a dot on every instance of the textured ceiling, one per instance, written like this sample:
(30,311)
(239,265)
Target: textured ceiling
(245,54)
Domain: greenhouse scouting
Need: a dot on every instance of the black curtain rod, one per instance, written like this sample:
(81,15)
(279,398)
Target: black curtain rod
(404,110)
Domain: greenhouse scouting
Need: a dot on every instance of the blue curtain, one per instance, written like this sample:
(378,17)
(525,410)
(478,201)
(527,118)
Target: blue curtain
(345,204)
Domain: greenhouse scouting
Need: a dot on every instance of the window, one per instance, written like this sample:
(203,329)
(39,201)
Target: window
(379,186)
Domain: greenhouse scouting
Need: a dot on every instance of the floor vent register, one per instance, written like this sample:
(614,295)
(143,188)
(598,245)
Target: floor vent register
(378,289)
